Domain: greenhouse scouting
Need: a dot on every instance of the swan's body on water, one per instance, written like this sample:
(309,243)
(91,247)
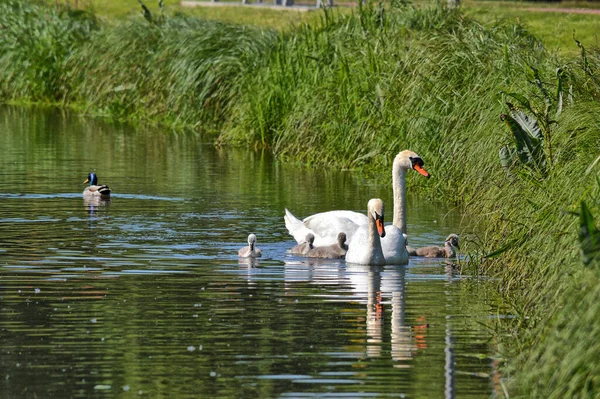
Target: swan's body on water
(326,225)
(365,246)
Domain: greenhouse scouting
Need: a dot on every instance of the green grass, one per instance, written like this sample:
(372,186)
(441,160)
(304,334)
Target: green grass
(350,91)
(111,10)
(555,29)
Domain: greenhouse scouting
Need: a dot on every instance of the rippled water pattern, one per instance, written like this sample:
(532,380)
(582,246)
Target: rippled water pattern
(144,296)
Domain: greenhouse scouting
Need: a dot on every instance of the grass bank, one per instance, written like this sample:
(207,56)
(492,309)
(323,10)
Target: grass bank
(352,90)
(555,29)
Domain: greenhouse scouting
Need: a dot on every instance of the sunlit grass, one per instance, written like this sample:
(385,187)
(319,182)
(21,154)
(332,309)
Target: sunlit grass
(350,91)
(282,20)
(264,17)
(555,29)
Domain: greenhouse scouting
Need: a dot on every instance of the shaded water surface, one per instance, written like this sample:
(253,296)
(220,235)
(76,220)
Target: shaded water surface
(144,296)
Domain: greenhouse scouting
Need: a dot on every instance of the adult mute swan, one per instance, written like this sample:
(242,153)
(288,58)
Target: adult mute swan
(94,190)
(250,251)
(326,225)
(365,246)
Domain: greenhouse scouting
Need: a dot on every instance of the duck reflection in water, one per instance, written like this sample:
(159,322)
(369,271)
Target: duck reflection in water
(93,203)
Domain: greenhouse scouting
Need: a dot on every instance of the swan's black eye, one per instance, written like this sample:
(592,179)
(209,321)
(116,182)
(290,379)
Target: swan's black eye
(416,161)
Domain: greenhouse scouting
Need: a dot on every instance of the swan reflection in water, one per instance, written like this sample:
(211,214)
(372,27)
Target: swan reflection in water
(379,289)
(250,263)
(378,286)
(374,286)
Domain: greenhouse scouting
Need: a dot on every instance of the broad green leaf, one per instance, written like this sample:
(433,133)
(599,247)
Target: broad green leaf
(529,146)
(527,123)
(589,236)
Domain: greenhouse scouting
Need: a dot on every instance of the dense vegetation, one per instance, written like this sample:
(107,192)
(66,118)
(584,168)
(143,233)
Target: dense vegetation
(350,92)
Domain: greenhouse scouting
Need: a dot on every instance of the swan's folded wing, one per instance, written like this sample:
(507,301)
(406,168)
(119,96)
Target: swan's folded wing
(355,217)
(296,227)
(327,225)
(393,246)
(358,247)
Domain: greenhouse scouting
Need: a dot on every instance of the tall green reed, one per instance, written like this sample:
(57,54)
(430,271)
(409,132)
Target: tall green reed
(351,92)
(36,45)
(355,90)
(183,72)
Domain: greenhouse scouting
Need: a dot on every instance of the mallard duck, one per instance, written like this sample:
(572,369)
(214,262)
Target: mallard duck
(94,190)
(250,251)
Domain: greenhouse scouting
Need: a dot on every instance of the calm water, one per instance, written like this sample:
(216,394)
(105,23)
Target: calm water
(144,296)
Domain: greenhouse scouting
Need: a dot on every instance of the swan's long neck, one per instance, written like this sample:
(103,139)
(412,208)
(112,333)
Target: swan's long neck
(374,239)
(399,191)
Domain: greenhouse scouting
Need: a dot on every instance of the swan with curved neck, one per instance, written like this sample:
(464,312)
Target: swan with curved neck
(365,246)
(394,244)
(326,225)
(405,160)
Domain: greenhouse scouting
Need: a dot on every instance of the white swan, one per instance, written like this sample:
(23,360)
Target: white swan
(365,246)
(250,251)
(326,225)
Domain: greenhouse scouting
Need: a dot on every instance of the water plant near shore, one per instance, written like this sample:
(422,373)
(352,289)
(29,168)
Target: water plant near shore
(350,92)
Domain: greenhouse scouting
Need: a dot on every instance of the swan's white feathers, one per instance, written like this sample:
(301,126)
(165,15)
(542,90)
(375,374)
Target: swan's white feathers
(325,226)
(365,246)
(394,246)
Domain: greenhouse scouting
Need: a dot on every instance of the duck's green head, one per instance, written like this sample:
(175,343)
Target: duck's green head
(92,179)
